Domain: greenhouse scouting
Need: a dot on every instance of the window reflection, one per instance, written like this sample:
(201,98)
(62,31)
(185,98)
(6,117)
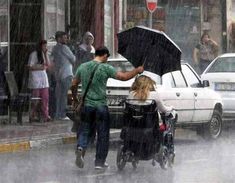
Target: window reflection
(54,17)
(223,65)
(3,21)
(179,80)
(108,22)
(3,42)
(190,77)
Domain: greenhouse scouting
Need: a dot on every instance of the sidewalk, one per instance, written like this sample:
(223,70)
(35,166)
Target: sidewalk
(15,137)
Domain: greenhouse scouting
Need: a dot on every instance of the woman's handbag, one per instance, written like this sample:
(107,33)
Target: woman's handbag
(75,112)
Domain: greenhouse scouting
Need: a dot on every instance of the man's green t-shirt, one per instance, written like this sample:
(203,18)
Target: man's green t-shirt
(96,95)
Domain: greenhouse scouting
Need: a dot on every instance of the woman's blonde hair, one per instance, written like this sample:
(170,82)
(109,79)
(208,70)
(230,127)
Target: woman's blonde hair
(142,86)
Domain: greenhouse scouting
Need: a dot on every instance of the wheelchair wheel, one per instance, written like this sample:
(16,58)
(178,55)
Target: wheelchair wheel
(164,159)
(171,159)
(121,159)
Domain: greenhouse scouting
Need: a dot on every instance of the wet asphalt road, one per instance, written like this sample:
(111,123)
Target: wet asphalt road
(197,161)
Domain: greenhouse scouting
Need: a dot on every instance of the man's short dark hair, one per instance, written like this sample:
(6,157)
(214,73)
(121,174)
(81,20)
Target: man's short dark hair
(59,34)
(101,51)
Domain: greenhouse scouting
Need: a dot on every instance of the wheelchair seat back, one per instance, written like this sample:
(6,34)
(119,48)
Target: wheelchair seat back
(140,116)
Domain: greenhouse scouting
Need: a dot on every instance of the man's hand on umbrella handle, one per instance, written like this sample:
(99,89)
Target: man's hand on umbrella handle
(140,69)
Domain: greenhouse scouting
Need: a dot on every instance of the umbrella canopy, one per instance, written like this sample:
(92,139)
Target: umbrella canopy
(153,49)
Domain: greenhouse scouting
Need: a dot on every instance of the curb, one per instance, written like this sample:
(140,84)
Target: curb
(14,147)
(68,138)
(46,141)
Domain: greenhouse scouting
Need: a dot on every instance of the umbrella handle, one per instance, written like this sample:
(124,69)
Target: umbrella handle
(144,61)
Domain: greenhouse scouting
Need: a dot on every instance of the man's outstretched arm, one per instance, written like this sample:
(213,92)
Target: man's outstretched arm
(124,76)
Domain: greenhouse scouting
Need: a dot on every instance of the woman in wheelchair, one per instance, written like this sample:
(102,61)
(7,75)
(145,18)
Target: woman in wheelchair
(142,138)
(143,92)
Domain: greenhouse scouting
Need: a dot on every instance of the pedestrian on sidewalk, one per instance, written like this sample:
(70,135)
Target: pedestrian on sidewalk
(95,108)
(38,63)
(85,50)
(205,52)
(64,60)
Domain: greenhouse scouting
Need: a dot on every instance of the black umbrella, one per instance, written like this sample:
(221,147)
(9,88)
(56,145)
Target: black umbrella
(153,49)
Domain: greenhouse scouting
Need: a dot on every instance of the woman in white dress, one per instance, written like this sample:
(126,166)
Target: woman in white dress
(38,81)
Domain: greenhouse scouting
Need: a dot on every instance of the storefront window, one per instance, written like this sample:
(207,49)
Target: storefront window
(3,42)
(108,25)
(135,13)
(112,24)
(3,20)
(183,25)
(231,26)
(54,17)
(180,19)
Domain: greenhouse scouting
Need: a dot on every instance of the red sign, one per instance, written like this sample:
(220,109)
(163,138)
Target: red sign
(151,5)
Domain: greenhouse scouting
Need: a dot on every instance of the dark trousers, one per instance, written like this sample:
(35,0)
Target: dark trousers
(98,118)
(203,65)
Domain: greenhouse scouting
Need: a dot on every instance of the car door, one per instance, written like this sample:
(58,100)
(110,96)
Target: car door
(178,95)
(203,105)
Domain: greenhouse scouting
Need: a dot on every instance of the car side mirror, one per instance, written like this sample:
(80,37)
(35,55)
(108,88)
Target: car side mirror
(205,83)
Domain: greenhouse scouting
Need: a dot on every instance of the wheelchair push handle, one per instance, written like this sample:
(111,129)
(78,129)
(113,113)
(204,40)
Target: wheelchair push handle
(169,115)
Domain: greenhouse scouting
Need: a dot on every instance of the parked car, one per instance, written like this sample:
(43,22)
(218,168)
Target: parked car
(221,76)
(196,105)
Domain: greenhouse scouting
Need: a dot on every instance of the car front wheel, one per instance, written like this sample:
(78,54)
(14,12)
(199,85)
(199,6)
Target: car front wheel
(213,128)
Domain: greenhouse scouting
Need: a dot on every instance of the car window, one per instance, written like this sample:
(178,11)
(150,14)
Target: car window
(190,77)
(223,64)
(179,79)
(167,81)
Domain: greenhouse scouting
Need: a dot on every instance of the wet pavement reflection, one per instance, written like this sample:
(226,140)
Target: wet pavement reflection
(197,161)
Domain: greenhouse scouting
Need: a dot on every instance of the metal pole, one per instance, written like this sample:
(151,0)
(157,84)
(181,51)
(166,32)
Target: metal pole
(69,14)
(151,20)
(112,4)
(8,50)
(8,36)
(124,13)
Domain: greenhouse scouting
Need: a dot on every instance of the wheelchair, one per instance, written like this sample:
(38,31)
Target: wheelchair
(143,139)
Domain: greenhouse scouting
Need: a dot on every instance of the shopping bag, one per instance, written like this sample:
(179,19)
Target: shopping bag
(74,114)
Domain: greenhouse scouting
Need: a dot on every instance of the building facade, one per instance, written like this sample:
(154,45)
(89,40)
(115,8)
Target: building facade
(24,22)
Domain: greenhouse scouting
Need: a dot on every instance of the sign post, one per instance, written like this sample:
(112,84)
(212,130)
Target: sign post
(151,6)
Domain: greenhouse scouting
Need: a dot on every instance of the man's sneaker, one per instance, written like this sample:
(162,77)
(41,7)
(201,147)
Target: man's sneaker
(100,167)
(106,165)
(79,159)
(64,119)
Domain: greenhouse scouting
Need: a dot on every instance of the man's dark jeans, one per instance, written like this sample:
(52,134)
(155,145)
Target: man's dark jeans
(95,117)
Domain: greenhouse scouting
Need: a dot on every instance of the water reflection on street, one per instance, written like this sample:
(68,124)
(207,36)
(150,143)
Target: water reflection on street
(197,161)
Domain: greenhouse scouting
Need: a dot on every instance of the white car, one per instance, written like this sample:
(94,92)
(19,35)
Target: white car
(196,105)
(221,76)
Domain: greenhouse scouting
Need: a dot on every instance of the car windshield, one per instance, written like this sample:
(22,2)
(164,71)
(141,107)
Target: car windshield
(223,64)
